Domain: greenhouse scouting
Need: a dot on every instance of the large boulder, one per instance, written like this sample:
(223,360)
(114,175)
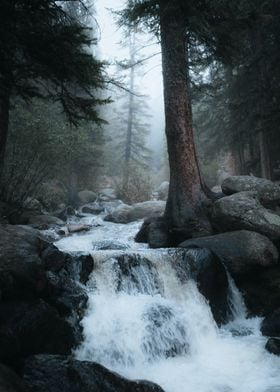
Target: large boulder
(260,289)
(244,211)
(273,346)
(10,381)
(87,196)
(212,281)
(125,213)
(46,373)
(120,214)
(154,231)
(32,327)
(44,221)
(240,251)
(268,192)
(21,273)
(271,324)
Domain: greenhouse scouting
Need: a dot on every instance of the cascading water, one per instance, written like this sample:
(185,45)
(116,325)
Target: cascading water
(144,322)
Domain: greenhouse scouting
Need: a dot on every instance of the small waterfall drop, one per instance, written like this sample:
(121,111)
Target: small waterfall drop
(144,322)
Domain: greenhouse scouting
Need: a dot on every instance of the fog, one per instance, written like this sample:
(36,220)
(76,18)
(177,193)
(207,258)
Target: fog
(111,38)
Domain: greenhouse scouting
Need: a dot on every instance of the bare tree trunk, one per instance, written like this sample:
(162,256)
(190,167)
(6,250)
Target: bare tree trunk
(128,141)
(4,124)
(264,157)
(185,208)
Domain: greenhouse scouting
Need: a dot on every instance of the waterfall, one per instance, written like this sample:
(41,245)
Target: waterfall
(144,322)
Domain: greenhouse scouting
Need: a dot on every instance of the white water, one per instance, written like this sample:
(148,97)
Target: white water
(145,324)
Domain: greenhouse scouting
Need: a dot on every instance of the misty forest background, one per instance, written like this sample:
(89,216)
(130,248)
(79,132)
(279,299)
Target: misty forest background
(69,130)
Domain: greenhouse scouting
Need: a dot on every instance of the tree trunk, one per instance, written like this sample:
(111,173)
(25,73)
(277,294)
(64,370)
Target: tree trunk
(185,212)
(4,125)
(129,130)
(264,157)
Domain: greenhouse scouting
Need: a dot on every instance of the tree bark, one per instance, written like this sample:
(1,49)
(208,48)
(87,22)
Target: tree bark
(185,210)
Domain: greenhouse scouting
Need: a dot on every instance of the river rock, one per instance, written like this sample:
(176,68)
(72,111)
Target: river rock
(44,221)
(110,245)
(53,259)
(273,346)
(212,281)
(87,196)
(271,324)
(21,273)
(268,192)
(53,373)
(77,228)
(126,213)
(93,208)
(244,211)
(120,214)
(10,381)
(260,289)
(154,231)
(32,327)
(240,251)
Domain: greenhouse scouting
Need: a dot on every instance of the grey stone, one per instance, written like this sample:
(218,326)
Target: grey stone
(87,196)
(244,211)
(268,192)
(54,373)
(240,250)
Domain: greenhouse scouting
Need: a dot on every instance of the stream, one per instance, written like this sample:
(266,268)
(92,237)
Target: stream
(144,322)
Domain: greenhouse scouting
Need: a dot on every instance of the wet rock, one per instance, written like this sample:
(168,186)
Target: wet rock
(86,267)
(126,213)
(241,251)
(119,215)
(271,324)
(87,196)
(211,277)
(31,328)
(154,231)
(10,381)
(260,289)
(44,221)
(147,209)
(65,213)
(45,373)
(243,211)
(21,273)
(77,228)
(93,208)
(53,259)
(110,245)
(273,346)
(268,192)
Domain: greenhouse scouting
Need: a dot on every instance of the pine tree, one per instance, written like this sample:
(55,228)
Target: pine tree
(44,53)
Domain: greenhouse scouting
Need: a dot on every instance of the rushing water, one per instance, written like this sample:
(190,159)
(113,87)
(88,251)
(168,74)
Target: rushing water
(144,323)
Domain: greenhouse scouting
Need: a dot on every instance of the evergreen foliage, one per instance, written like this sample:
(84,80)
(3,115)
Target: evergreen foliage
(46,53)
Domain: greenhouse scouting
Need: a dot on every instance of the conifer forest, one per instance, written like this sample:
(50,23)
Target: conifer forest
(139,196)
